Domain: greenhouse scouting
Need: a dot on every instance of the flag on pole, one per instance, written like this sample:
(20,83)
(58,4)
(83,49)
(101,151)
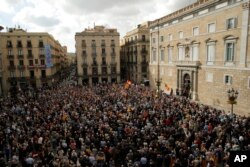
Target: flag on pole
(167,89)
(127,84)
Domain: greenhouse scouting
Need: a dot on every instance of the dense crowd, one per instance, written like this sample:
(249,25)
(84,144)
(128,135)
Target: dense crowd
(109,126)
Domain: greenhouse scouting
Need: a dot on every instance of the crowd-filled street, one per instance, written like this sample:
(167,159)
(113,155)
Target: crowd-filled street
(109,125)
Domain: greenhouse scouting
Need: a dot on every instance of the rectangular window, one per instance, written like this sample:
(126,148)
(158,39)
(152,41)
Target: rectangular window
(162,38)
(41,51)
(93,43)
(180,53)
(31,62)
(32,74)
(113,69)
(112,42)
(143,37)
(9,44)
(211,28)
(104,70)
(12,74)
(20,52)
(230,51)
(29,52)
(181,34)
(22,74)
(10,52)
(21,62)
(42,62)
(11,63)
(29,45)
(195,53)
(85,71)
(231,23)
(195,31)
(19,44)
(162,55)
(43,73)
(41,44)
(36,61)
(228,79)
(95,70)
(210,53)
(170,54)
(83,43)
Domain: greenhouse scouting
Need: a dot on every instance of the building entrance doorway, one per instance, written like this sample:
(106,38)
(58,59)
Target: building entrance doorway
(186,85)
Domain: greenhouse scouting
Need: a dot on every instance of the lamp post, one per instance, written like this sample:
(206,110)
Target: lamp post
(232,96)
(158,80)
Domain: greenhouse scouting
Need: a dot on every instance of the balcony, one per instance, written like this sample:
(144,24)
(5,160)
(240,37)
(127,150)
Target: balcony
(43,66)
(10,56)
(9,46)
(188,63)
(93,45)
(30,66)
(11,67)
(20,56)
(103,45)
(41,46)
(112,45)
(21,67)
(30,56)
(113,54)
(94,54)
(103,54)
(42,56)
(135,52)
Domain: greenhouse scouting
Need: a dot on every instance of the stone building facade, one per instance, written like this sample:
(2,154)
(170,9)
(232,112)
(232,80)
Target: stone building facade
(98,55)
(135,54)
(24,59)
(202,50)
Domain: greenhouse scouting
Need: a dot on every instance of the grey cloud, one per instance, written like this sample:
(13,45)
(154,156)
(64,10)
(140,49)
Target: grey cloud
(43,21)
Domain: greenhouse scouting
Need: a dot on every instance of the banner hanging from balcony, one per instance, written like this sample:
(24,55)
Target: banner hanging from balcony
(48,58)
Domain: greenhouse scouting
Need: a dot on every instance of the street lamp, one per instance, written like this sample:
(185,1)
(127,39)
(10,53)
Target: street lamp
(158,81)
(232,96)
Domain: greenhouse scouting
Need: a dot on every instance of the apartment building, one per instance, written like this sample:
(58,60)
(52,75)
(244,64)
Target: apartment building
(135,54)
(98,55)
(202,50)
(29,59)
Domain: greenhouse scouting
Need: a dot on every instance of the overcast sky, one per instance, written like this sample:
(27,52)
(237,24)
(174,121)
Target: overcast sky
(63,18)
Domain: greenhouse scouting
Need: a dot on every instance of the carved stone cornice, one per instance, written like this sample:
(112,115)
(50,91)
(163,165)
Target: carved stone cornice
(246,6)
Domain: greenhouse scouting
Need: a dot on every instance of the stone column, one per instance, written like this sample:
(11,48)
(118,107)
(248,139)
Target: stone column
(244,36)
(195,83)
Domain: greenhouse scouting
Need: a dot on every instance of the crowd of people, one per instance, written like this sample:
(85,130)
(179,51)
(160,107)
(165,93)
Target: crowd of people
(107,125)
